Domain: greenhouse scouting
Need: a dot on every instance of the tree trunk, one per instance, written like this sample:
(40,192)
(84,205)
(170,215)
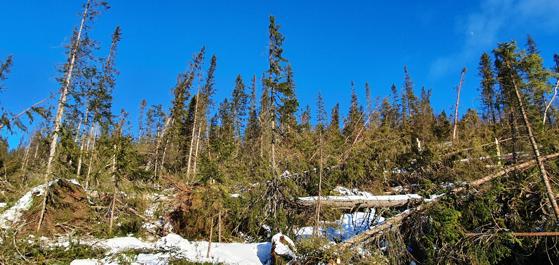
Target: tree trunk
(160,139)
(541,166)
(194,126)
(26,157)
(219,227)
(497,146)
(316,231)
(196,153)
(396,220)
(91,154)
(455,127)
(80,156)
(210,241)
(115,190)
(59,113)
(550,102)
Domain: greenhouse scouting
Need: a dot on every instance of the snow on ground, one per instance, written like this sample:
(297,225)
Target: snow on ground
(175,246)
(13,214)
(346,194)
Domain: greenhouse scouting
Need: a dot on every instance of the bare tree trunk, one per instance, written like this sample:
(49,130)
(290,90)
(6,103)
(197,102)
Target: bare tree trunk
(210,241)
(26,157)
(196,153)
(550,102)
(455,128)
(541,166)
(320,166)
(59,113)
(36,152)
(115,190)
(194,125)
(219,227)
(91,154)
(82,145)
(158,144)
(497,146)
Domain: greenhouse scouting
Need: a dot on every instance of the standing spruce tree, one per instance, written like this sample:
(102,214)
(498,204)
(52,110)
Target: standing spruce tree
(279,81)
(354,120)
(488,93)
(206,103)
(179,117)
(239,105)
(252,132)
(283,105)
(536,76)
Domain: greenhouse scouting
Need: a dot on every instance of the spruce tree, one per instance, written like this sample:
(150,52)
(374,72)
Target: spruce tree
(488,93)
(239,105)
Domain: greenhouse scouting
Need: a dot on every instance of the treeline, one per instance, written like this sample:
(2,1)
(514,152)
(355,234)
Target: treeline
(261,143)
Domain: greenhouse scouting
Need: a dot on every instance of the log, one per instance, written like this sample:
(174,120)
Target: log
(350,202)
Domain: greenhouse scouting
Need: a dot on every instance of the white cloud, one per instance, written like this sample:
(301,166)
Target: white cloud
(483,28)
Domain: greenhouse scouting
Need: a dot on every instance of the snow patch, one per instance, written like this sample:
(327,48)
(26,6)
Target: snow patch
(175,246)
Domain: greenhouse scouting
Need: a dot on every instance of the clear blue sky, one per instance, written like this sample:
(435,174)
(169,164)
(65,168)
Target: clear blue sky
(328,42)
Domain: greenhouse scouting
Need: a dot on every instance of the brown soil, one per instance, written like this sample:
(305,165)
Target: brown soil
(68,211)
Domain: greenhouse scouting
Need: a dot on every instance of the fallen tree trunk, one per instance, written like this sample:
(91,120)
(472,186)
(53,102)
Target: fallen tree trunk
(396,220)
(350,202)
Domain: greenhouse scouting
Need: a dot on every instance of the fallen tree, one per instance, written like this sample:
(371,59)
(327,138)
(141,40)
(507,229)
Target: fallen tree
(397,220)
(351,202)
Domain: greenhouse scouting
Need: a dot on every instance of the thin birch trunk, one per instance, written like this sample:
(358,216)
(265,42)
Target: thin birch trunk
(59,113)
(458,89)
(541,166)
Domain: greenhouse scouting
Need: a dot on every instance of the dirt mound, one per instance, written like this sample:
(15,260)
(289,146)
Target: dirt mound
(68,211)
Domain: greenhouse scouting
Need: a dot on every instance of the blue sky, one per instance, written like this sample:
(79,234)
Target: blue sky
(329,43)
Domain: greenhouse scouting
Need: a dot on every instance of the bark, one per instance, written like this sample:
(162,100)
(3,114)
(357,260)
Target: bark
(458,89)
(352,202)
(59,113)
